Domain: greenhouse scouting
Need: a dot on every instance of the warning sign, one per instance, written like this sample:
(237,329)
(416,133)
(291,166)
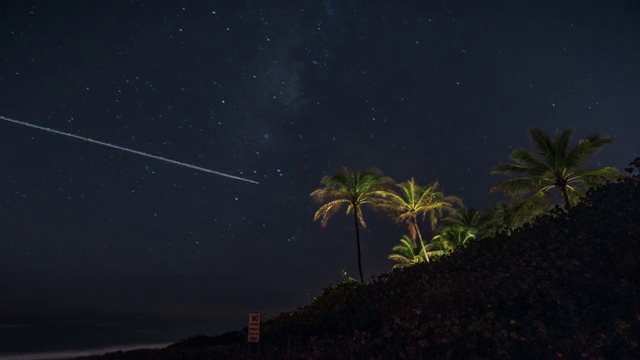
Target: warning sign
(254,328)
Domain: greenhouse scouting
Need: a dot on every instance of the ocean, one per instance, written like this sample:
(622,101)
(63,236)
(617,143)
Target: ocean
(46,341)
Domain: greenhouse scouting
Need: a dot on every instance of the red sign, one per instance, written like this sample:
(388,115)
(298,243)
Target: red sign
(254,328)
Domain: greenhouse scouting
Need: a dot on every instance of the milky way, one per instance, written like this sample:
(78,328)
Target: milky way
(281,95)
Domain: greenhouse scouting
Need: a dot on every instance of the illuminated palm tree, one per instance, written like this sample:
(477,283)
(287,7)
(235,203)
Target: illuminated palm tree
(353,190)
(474,222)
(436,249)
(554,163)
(452,237)
(408,200)
(406,253)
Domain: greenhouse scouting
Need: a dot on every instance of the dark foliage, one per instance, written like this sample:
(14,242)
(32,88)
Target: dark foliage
(634,165)
(566,287)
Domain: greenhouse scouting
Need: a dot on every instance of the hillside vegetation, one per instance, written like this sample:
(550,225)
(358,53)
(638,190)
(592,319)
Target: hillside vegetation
(565,287)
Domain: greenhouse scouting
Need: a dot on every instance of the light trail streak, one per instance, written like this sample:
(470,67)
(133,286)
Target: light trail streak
(129,150)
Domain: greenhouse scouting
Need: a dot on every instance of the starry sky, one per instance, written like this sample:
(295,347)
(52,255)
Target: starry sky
(283,93)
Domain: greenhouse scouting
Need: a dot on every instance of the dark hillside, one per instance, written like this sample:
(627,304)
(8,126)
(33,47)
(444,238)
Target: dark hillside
(567,287)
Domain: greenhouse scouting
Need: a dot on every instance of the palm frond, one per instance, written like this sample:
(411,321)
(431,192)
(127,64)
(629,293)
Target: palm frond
(594,177)
(352,188)
(405,253)
(529,162)
(541,141)
(322,194)
(580,153)
(398,258)
(500,216)
(437,248)
(520,186)
(527,210)
(361,218)
(562,143)
(452,200)
(327,210)
(574,194)
(452,237)
(510,169)
(436,211)
(473,221)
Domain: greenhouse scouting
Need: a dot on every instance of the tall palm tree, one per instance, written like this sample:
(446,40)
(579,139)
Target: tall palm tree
(554,163)
(408,200)
(406,253)
(353,190)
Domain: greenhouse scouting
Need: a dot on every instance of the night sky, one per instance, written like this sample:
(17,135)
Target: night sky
(283,93)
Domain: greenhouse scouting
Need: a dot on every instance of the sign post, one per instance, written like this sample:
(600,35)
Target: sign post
(253,333)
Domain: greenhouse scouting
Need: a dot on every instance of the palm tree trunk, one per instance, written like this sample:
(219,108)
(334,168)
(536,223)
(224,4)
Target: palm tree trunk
(356,211)
(424,249)
(565,195)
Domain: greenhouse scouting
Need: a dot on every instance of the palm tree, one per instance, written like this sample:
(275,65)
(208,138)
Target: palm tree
(405,253)
(409,200)
(554,163)
(507,216)
(435,249)
(471,220)
(353,189)
(452,237)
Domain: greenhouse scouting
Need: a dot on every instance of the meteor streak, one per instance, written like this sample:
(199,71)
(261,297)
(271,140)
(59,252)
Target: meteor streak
(129,150)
